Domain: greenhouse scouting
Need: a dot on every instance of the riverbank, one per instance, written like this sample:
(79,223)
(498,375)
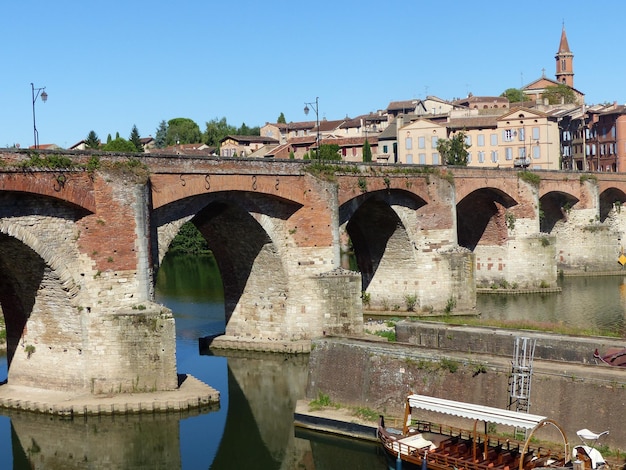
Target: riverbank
(380,375)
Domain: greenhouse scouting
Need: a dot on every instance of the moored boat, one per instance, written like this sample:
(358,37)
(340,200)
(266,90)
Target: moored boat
(612,356)
(437,447)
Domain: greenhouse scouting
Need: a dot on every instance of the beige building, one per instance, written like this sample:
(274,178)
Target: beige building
(522,137)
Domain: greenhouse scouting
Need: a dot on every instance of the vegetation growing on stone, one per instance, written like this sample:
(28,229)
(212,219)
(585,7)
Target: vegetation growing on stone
(529,177)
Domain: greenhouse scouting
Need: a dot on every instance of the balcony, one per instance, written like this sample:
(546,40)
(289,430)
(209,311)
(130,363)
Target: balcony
(521,162)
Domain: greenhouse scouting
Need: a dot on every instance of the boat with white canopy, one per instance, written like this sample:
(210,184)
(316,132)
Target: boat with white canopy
(437,447)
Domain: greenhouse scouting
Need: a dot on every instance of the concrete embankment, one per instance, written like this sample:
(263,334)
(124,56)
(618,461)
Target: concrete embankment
(380,375)
(339,421)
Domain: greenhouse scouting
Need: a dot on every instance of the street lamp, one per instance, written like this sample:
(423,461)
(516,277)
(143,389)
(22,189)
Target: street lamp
(44,97)
(315,107)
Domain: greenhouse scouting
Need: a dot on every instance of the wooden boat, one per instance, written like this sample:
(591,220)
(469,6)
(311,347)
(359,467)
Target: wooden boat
(436,447)
(612,357)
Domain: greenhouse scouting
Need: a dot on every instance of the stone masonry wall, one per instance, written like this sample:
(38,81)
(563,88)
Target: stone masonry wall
(379,376)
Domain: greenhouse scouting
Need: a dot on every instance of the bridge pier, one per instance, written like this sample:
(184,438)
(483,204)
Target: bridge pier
(77,287)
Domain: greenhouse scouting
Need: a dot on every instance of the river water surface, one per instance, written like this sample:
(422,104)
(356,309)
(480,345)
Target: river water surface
(253,426)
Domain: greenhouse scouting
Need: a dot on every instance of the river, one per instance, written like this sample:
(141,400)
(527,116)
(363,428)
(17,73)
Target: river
(253,427)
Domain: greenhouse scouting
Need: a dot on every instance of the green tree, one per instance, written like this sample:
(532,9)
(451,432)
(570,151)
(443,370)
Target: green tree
(135,139)
(216,130)
(292,155)
(120,145)
(189,241)
(281,119)
(182,131)
(92,141)
(161,135)
(453,151)
(559,94)
(245,130)
(329,152)
(514,95)
(109,138)
(367,151)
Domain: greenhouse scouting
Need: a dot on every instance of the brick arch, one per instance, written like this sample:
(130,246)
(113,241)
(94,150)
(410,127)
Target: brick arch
(75,188)
(482,212)
(378,227)
(246,232)
(555,206)
(609,198)
(266,209)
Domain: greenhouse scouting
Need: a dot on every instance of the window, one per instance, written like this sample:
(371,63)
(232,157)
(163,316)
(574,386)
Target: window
(468,140)
(344,152)
(613,131)
(611,149)
(494,156)
(481,157)
(409,158)
(507,135)
(521,134)
(563,65)
(433,141)
(385,149)
(422,158)
(408,143)
(435,158)
(480,140)
(521,152)
(354,151)
(508,153)
(535,133)
(421,142)
(536,151)
(469,157)
(494,139)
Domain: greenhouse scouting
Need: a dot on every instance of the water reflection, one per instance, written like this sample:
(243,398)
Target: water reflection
(133,441)
(593,303)
(253,427)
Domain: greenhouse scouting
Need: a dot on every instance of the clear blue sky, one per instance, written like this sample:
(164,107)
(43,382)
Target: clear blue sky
(107,65)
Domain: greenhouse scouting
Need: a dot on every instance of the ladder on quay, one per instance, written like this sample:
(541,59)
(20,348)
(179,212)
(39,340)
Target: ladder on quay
(520,380)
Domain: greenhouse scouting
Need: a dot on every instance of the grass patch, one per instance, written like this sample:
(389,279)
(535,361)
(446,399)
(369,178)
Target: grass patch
(322,401)
(390,335)
(526,325)
(366,413)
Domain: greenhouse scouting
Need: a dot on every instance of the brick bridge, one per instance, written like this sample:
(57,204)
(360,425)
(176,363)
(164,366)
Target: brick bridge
(80,248)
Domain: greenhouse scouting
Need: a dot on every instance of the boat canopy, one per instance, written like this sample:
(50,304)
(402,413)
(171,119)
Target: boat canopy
(471,411)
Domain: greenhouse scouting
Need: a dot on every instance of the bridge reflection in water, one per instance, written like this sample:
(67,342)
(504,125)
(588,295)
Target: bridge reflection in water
(254,426)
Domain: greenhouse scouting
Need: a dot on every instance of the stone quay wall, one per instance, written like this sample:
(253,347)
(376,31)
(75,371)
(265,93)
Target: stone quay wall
(379,375)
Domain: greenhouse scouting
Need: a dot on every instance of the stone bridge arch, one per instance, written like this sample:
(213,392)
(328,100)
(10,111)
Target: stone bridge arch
(482,217)
(39,295)
(248,234)
(555,207)
(381,226)
(403,240)
(612,200)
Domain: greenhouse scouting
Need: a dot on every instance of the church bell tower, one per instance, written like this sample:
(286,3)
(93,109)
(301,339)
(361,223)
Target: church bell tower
(564,62)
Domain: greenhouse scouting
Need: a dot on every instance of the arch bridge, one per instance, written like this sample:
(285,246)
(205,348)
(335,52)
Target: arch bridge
(80,248)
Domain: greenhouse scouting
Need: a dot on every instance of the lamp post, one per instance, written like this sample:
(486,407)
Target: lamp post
(44,97)
(315,107)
